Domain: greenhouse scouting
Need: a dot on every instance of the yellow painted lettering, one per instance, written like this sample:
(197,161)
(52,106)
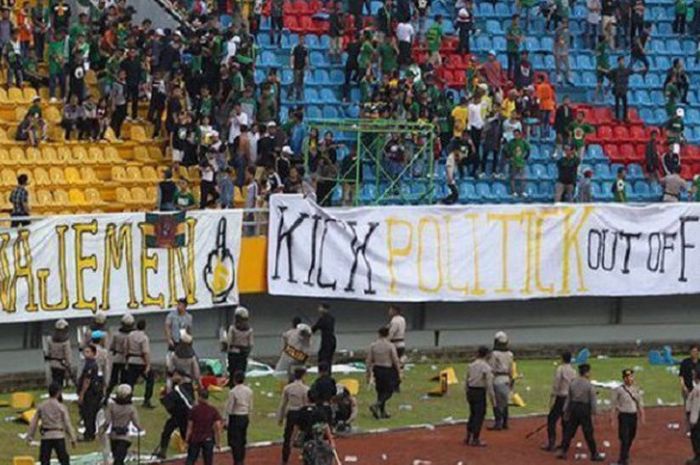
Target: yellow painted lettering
(187,276)
(463,289)
(43,274)
(422,224)
(394,251)
(82,263)
(5,274)
(571,241)
(504,219)
(476,288)
(149,262)
(23,270)
(118,251)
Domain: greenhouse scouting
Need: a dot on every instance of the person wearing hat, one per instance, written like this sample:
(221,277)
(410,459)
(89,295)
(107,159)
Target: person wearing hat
(579,409)
(184,360)
(627,405)
(464,30)
(138,361)
(296,348)
(117,351)
(177,321)
(384,366)
(90,391)
(58,354)
(501,362)
(239,343)
(53,422)
(283,163)
(98,323)
(674,185)
(102,357)
(119,415)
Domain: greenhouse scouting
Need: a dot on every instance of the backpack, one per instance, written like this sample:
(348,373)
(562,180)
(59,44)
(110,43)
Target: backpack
(317,452)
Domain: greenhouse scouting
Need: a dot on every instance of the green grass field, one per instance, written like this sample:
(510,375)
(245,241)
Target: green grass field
(408,408)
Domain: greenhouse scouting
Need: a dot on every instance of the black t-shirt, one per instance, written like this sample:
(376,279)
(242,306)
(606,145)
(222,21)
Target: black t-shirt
(168,189)
(323,389)
(266,147)
(299,57)
(687,372)
(608,7)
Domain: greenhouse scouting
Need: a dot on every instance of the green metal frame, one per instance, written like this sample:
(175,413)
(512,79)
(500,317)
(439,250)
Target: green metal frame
(370,137)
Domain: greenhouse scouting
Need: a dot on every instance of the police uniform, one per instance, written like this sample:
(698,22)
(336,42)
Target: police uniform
(137,348)
(479,385)
(117,350)
(178,403)
(91,383)
(239,344)
(118,416)
(295,396)
(692,406)
(295,351)
(383,363)
(501,362)
(397,334)
(627,402)
(238,409)
(563,376)
(184,361)
(579,408)
(58,356)
(55,427)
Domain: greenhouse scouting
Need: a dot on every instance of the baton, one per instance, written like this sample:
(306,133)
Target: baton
(535,431)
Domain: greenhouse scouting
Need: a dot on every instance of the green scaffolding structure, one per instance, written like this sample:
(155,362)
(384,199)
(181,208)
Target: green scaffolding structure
(373,179)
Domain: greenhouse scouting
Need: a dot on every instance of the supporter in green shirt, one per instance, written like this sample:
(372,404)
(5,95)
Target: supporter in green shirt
(672,95)
(366,53)
(434,35)
(517,150)
(695,189)
(619,185)
(514,38)
(184,200)
(578,130)
(388,56)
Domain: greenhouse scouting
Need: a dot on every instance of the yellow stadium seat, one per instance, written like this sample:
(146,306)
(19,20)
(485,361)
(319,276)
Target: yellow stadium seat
(73,177)
(92,196)
(76,197)
(49,155)
(351,384)
(133,174)
(141,154)
(138,194)
(79,155)
(41,177)
(20,113)
(194,173)
(178,443)
(5,201)
(88,175)
(52,115)
(3,96)
(124,196)
(118,174)
(63,155)
(29,93)
(27,415)
(138,134)
(112,155)
(22,460)
(16,155)
(15,95)
(61,198)
(148,173)
(9,178)
(96,154)
(182,173)
(152,194)
(57,177)
(44,198)
(238,197)
(450,373)
(4,157)
(156,154)
(4,139)
(21,401)
(57,134)
(31,156)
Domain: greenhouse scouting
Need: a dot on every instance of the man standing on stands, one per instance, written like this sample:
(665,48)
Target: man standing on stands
(627,405)
(326,325)
(479,385)
(563,376)
(132,67)
(299,62)
(383,364)
(514,38)
(562,41)
(352,67)
(118,98)
(238,410)
(405,35)
(620,78)
(579,409)
(562,119)
(464,30)
(19,198)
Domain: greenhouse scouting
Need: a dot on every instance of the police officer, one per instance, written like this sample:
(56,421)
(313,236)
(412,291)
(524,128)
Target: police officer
(344,409)
(627,404)
(295,351)
(397,330)
(479,386)
(90,390)
(239,343)
(98,323)
(295,396)
(579,409)
(102,358)
(178,403)
(326,325)
(238,409)
(501,361)
(58,354)
(119,414)
(563,376)
(55,427)
(184,360)
(138,361)
(117,350)
(383,363)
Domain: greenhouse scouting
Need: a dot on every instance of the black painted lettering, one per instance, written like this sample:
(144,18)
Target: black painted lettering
(358,248)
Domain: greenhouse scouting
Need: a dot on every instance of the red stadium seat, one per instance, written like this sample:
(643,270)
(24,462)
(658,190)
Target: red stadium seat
(638,134)
(627,152)
(301,8)
(621,134)
(686,171)
(605,134)
(291,23)
(612,151)
(603,115)
(288,8)
(454,61)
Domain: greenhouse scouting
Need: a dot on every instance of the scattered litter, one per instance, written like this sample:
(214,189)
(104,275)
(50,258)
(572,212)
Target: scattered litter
(602,357)
(673,426)
(350,459)
(638,368)
(599,401)
(528,388)
(423,358)
(638,342)
(258,370)
(606,443)
(344,368)
(606,384)
(425,397)
(23,437)
(659,401)
(579,445)
(384,457)
(257,384)
(433,367)
(271,415)
(430,427)
(406,407)
(606,402)
(422,462)
(447,419)
(269,394)
(602,455)
(460,463)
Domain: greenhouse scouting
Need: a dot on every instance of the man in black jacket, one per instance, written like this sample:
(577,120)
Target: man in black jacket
(132,66)
(620,78)
(326,325)
(562,118)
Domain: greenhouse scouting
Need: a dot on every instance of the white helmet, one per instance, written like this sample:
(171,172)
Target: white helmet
(242,312)
(128,319)
(304,329)
(61,324)
(100,317)
(186,337)
(501,337)
(123,391)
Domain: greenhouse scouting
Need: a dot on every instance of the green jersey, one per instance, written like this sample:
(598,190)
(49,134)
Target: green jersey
(389,57)
(517,151)
(618,189)
(681,7)
(602,58)
(696,189)
(184,200)
(513,38)
(434,38)
(57,56)
(366,53)
(672,94)
(579,131)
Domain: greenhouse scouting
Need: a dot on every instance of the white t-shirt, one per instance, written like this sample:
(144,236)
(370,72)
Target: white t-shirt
(593,16)
(450,166)
(476,119)
(509,128)
(405,32)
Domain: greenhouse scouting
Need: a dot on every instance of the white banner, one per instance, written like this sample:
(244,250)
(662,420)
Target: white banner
(482,252)
(73,266)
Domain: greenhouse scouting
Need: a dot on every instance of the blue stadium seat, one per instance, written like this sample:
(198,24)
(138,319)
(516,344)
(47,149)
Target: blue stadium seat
(289,40)
(485,9)
(225,21)
(328,96)
(264,40)
(467,192)
(368,193)
(259,76)
(337,77)
(321,77)
(483,44)
(493,27)
(689,47)
(539,171)
(641,189)
(589,79)
(313,112)
(533,192)
(664,29)
(499,44)
(483,190)
(532,44)
(352,111)
(692,116)
(602,191)
(287,77)
(368,173)
(646,114)
(502,9)
(325,42)
(595,152)
(268,58)
(546,191)
(330,112)
(312,42)
(549,62)
(319,59)
(634,171)
(673,47)
(636,82)
(643,98)
(500,192)
(602,172)
(584,62)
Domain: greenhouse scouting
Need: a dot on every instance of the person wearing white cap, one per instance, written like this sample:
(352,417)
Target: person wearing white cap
(296,348)
(117,351)
(464,30)
(119,415)
(58,354)
(239,343)
(501,361)
(98,323)
(185,361)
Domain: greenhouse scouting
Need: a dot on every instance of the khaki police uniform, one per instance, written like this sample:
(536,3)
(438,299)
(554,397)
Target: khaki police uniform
(117,349)
(627,402)
(579,409)
(295,396)
(479,386)
(58,356)
(239,344)
(118,417)
(563,376)
(501,362)
(238,409)
(55,428)
(383,363)
(397,334)
(138,347)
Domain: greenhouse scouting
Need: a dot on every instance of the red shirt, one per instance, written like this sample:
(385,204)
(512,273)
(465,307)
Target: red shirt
(203,418)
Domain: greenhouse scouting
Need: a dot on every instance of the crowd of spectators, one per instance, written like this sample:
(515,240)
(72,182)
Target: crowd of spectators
(198,82)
